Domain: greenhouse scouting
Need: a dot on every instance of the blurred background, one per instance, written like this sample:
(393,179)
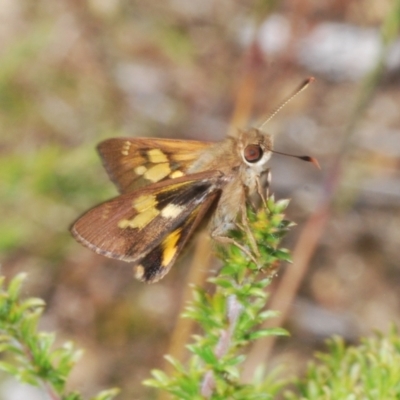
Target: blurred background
(73,73)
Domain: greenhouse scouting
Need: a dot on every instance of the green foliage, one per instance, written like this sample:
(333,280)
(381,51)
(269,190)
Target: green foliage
(47,181)
(370,370)
(231,318)
(29,354)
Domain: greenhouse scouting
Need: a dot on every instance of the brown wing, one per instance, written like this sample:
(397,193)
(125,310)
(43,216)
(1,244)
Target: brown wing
(151,225)
(134,163)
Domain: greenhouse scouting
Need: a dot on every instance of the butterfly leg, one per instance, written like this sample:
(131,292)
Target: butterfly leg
(246,228)
(218,233)
(263,182)
(227,240)
(262,187)
(232,201)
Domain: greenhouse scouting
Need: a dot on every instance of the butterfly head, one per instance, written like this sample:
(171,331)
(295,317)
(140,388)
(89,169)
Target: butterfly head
(255,149)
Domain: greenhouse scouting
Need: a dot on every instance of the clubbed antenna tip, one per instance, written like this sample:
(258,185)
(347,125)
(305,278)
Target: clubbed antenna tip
(302,87)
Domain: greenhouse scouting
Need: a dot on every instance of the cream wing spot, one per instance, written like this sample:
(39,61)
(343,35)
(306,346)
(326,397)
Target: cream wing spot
(140,170)
(140,220)
(156,156)
(144,202)
(171,211)
(125,148)
(158,172)
(176,174)
(146,212)
(106,212)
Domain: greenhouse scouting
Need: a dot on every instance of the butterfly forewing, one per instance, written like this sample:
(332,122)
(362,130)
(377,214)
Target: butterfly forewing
(134,163)
(133,225)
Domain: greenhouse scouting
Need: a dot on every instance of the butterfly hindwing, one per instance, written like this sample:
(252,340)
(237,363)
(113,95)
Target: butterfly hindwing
(158,217)
(134,163)
(154,265)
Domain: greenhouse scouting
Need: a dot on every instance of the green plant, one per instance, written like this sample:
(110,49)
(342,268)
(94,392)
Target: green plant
(28,353)
(231,318)
(370,370)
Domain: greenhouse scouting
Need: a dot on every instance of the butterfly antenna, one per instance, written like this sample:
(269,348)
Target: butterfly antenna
(312,160)
(302,87)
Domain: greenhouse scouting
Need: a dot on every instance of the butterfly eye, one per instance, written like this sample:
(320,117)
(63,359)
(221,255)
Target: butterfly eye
(253,153)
